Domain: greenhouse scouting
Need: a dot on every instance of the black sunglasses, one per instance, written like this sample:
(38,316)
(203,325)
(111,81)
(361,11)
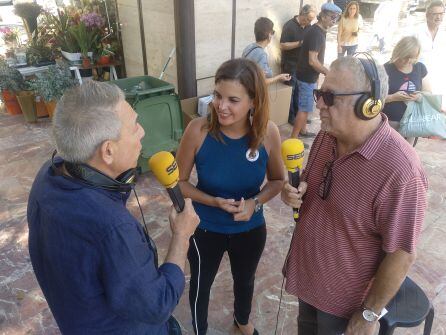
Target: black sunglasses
(327,174)
(328,97)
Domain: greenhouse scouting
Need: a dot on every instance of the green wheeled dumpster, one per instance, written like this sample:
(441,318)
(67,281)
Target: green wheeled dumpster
(159,113)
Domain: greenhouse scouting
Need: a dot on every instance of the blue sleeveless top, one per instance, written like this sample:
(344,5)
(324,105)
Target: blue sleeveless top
(224,171)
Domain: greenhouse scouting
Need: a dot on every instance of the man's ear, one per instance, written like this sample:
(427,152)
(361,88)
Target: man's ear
(106,151)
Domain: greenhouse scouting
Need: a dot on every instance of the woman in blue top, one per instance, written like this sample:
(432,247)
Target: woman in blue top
(232,149)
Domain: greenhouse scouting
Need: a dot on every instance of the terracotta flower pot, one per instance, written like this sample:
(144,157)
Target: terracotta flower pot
(27,104)
(86,62)
(104,60)
(50,107)
(11,103)
(40,107)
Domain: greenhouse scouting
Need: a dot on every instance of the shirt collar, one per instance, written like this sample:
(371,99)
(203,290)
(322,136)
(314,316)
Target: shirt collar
(374,142)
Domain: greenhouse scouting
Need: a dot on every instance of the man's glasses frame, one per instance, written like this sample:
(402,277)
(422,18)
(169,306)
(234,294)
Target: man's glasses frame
(325,185)
(328,97)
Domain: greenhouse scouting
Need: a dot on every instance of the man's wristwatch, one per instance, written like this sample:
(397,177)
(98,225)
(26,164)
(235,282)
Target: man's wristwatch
(369,315)
(257,205)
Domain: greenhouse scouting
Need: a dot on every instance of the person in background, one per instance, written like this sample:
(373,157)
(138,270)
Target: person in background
(363,211)
(385,21)
(233,149)
(264,32)
(311,64)
(432,37)
(96,265)
(290,42)
(348,29)
(407,77)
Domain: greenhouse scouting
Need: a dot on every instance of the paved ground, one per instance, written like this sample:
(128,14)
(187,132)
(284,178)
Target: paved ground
(23,310)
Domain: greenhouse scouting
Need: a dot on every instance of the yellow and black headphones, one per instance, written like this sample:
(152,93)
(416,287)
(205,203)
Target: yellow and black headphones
(369,105)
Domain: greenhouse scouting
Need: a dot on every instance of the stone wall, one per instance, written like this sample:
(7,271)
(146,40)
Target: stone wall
(213,32)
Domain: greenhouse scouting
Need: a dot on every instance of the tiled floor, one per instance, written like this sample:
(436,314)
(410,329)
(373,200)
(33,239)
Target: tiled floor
(23,310)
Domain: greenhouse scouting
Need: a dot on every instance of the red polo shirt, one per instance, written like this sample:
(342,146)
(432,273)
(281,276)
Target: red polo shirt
(376,205)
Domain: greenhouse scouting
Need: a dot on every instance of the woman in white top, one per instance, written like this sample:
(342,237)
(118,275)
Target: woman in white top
(348,28)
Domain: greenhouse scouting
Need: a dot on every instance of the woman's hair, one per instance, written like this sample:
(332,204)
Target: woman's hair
(262,28)
(351,3)
(251,77)
(405,48)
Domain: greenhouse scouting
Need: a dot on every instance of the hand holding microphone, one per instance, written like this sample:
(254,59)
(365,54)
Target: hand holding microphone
(293,157)
(165,169)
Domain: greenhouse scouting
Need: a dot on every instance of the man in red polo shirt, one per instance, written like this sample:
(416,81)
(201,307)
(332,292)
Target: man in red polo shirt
(364,206)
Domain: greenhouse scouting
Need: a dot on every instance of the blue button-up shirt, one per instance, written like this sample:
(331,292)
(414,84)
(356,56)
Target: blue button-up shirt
(93,261)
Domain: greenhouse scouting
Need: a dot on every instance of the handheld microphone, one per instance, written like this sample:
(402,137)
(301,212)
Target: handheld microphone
(293,158)
(165,169)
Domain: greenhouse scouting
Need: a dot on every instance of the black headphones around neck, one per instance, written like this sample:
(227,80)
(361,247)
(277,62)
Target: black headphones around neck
(95,178)
(369,105)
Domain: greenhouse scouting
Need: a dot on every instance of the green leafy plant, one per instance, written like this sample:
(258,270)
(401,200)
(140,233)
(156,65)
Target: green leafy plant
(52,84)
(38,49)
(11,79)
(85,38)
(107,50)
(57,28)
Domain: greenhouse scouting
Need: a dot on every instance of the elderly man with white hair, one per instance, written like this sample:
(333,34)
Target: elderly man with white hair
(362,204)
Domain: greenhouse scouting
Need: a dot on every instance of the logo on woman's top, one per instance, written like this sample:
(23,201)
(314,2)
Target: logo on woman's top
(252,156)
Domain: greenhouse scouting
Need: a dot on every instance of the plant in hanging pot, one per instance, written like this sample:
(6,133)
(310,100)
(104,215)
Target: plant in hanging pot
(52,84)
(28,11)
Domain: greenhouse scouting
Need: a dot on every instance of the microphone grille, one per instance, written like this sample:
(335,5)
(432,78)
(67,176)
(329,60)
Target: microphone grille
(293,153)
(165,168)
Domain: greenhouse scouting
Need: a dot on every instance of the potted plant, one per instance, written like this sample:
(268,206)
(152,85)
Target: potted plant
(87,33)
(38,50)
(56,28)
(52,84)
(28,11)
(85,38)
(26,99)
(10,36)
(11,81)
(106,54)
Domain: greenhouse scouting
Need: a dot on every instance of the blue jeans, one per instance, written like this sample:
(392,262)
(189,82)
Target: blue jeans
(350,50)
(294,98)
(306,100)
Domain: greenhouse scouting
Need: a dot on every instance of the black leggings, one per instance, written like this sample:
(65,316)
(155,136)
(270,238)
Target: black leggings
(244,250)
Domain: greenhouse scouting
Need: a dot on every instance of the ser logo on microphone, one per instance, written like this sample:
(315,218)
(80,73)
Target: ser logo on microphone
(295,156)
(171,168)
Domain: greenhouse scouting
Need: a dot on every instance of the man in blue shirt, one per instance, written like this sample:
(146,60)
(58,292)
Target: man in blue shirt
(95,264)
